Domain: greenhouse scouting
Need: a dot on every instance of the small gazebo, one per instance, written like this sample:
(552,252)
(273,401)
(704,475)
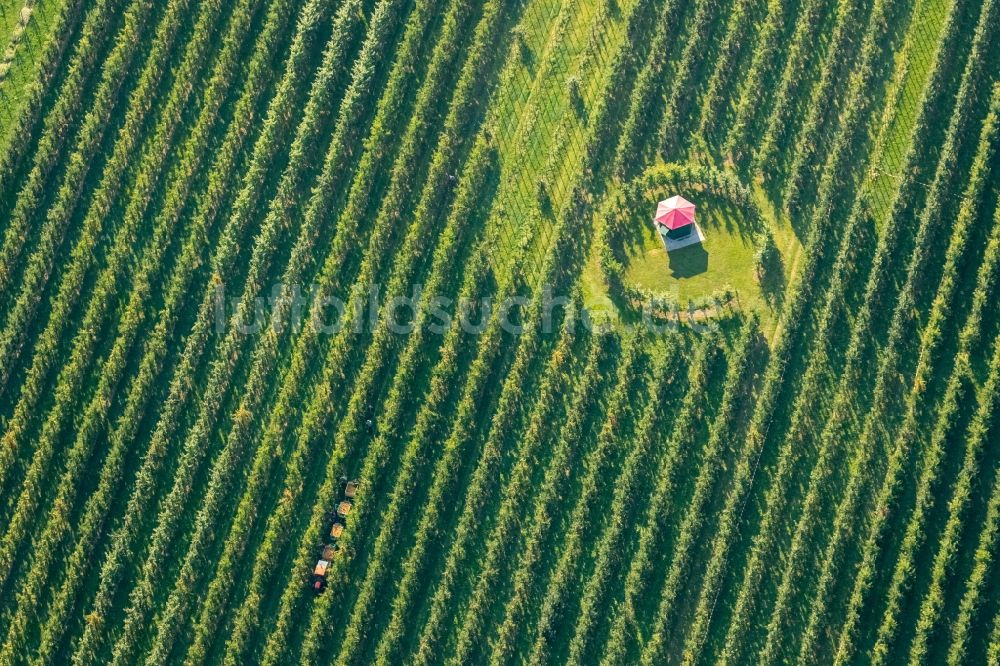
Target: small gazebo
(674,217)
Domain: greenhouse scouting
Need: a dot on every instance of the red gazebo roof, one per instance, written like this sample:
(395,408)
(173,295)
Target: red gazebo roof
(675,212)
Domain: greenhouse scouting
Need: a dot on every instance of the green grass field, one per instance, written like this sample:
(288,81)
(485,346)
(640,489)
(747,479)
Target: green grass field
(317,345)
(25,49)
(724,260)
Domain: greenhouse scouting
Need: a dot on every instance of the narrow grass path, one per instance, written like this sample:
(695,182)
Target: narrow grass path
(541,141)
(913,71)
(25,31)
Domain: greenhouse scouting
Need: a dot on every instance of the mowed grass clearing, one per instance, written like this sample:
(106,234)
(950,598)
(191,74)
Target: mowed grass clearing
(724,259)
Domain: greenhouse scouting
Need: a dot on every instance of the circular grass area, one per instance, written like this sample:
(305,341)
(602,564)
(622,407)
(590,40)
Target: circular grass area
(722,268)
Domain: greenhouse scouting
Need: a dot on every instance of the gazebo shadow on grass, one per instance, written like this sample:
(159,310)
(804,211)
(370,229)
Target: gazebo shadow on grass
(688,261)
